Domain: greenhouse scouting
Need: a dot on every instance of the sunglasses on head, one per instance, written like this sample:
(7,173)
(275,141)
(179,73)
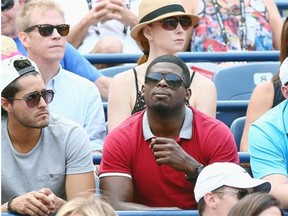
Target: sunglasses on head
(171,23)
(46,30)
(241,193)
(173,80)
(33,99)
(6,5)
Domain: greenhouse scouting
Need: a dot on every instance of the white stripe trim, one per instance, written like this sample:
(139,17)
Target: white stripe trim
(115,174)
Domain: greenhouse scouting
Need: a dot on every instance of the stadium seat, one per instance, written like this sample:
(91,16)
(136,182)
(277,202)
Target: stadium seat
(237,82)
(112,71)
(228,110)
(237,127)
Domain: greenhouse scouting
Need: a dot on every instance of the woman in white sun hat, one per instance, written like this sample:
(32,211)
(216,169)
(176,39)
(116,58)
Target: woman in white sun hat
(163,28)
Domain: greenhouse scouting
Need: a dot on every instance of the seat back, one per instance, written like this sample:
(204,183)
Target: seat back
(237,82)
(112,71)
(236,128)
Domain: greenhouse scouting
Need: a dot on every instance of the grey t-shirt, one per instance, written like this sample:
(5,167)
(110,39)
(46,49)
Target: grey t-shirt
(63,149)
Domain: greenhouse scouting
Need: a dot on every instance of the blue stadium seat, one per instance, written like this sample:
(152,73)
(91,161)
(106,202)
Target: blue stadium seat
(237,82)
(112,71)
(228,110)
(237,127)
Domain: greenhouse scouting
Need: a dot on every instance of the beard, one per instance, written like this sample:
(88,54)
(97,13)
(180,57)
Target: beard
(160,107)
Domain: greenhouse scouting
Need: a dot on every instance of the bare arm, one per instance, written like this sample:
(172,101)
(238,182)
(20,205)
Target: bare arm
(103,84)
(261,101)
(121,92)
(79,183)
(119,191)
(204,95)
(275,22)
(279,188)
(94,16)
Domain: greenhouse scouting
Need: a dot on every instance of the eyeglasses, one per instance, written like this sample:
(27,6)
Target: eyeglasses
(33,99)
(6,5)
(171,23)
(46,30)
(241,193)
(173,80)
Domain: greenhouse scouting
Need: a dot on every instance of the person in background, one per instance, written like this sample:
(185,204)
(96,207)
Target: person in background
(266,95)
(153,158)
(72,61)
(227,25)
(221,185)
(102,25)
(42,31)
(88,205)
(172,24)
(45,158)
(257,204)
(268,140)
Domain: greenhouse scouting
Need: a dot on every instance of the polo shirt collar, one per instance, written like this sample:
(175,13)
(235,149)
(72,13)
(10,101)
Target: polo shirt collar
(185,132)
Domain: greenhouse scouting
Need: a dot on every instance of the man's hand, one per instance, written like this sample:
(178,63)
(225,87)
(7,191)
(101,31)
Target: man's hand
(32,203)
(55,203)
(169,152)
(108,10)
(42,202)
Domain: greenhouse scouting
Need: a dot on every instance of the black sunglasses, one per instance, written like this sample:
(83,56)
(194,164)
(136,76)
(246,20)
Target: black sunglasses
(173,80)
(33,99)
(171,23)
(6,5)
(241,193)
(46,30)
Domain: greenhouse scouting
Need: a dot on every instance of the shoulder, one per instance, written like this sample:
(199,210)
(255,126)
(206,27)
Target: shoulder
(76,79)
(262,93)
(273,120)
(60,123)
(126,81)
(130,126)
(200,80)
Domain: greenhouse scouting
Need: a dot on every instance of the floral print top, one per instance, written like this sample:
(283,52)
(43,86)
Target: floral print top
(207,35)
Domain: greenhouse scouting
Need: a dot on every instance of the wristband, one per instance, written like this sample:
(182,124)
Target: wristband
(197,172)
(9,209)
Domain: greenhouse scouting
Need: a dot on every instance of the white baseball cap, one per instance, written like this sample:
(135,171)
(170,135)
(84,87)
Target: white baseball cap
(219,174)
(284,72)
(9,73)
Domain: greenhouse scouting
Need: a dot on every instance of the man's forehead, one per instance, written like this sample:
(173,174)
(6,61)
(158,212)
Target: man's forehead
(166,67)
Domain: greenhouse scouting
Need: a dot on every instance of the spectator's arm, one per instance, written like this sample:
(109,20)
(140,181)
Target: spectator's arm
(78,183)
(204,95)
(261,101)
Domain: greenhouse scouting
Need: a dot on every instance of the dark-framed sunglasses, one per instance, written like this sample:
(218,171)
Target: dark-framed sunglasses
(241,193)
(173,80)
(171,23)
(46,30)
(6,5)
(33,99)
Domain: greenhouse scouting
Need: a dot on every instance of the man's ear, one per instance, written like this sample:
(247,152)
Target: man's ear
(284,90)
(6,105)
(24,38)
(210,200)
(188,95)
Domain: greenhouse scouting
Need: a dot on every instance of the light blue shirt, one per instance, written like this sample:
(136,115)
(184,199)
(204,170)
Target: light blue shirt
(72,61)
(79,100)
(268,142)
